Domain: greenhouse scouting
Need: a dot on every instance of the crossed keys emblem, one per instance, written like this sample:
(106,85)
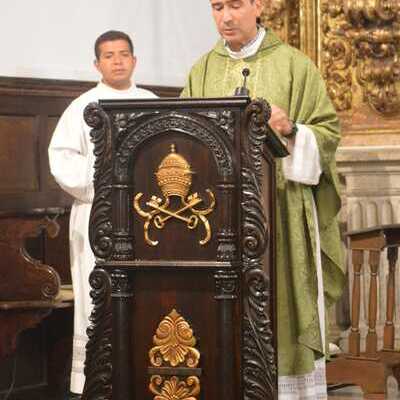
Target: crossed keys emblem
(161,214)
(174,178)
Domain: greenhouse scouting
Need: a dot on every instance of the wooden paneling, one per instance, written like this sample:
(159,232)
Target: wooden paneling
(20,168)
(24,136)
(50,127)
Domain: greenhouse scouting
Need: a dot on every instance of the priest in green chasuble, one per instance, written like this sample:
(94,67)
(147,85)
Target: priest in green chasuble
(310,271)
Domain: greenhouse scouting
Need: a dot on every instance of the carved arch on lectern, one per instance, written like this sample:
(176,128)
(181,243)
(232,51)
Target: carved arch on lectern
(175,122)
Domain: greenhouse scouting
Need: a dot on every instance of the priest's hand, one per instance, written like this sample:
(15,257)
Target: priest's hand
(281,123)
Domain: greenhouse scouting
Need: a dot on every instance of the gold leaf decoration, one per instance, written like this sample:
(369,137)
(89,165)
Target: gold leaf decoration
(337,54)
(174,177)
(174,388)
(174,342)
(273,15)
(361,44)
(282,16)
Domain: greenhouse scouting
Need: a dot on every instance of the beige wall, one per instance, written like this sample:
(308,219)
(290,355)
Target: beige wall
(54,39)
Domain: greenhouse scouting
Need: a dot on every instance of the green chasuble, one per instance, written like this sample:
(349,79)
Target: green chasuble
(287,78)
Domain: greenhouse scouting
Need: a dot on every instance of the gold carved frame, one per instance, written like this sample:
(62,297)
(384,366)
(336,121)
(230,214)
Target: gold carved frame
(356,45)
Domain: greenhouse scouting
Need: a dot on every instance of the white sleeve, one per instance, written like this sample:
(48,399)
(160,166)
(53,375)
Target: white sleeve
(303,163)
(70,155)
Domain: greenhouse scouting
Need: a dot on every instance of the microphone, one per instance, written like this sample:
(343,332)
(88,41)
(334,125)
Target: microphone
(242,90)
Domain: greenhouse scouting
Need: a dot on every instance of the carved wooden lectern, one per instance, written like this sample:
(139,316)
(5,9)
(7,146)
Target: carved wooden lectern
(182,226)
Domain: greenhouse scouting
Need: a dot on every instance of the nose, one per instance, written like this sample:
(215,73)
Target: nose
(117,59)
(226,15)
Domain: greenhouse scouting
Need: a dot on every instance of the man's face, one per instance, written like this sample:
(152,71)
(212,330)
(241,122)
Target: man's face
(236,20)
(116,63)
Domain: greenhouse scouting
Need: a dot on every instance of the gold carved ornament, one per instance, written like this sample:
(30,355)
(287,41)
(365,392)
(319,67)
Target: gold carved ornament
(337,55)
(174,388)
(174,346)
(174,177)
(282,16)
(365,35)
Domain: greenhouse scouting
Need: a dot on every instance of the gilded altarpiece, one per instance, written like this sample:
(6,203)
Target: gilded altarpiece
(356,45)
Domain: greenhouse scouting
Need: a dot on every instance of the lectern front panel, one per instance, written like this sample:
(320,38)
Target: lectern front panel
(182,226)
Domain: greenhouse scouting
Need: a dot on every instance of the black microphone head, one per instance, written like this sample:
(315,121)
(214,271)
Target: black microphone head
(245,72)
(242,90)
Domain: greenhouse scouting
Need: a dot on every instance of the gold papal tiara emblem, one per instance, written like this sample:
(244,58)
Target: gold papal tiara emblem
(174,178)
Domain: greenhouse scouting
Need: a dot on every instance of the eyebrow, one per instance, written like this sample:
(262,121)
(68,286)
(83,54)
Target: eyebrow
(116,51)
(230,2)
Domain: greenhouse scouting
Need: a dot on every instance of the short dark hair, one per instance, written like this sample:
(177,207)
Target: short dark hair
(110,36)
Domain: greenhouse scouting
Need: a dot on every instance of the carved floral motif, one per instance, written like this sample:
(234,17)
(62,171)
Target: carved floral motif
(174,388)
(174,342)
(224,119)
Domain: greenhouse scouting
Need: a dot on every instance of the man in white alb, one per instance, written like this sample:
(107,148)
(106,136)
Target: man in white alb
(71,163)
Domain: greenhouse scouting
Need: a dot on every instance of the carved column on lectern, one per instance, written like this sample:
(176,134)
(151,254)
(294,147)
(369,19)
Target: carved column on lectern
(121,296)
(226,281)
(121,200)
(227,249)
(226,295)
(122,235)
(259,368)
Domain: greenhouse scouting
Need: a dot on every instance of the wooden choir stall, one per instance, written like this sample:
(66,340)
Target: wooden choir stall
(182,226)
(35,309)
(36,304)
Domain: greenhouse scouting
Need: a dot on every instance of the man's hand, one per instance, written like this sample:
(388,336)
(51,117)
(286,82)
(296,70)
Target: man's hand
(280,122)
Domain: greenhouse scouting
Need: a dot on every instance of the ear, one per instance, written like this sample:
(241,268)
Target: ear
(96,64)
(134,62)
(259,6)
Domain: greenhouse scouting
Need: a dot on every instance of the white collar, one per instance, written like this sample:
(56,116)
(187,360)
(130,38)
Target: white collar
(103,86)
(250,48)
